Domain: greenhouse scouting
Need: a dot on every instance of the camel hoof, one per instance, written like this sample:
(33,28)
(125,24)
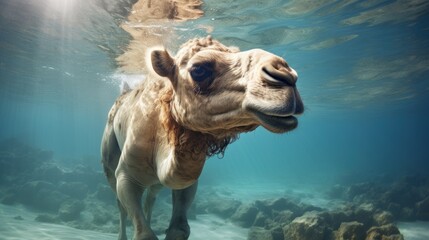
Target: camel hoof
(178,234)
(146,237)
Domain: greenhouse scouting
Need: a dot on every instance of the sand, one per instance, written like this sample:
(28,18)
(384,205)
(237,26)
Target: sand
(18,223)
(414,230)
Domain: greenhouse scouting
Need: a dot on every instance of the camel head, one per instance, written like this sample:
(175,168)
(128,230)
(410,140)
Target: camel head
(220,90)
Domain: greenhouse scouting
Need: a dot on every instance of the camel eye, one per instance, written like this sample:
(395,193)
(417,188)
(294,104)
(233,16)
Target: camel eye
(200,73)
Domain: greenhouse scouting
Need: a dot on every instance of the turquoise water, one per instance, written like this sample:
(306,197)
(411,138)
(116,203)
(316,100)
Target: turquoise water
(363,75)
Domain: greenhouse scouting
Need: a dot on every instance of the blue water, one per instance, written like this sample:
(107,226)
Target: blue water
(363,78)
(363,74)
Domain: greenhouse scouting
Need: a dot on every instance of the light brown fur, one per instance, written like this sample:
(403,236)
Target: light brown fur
(190,107)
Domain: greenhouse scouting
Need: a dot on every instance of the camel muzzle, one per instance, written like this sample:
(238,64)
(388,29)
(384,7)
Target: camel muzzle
(280,76)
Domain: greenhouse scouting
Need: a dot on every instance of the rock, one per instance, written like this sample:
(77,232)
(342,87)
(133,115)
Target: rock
(261,220)
(85,175)
(257,233)
(70,210)
(284,217)
(408,214)
(364,213)
(40,195)
(422,209)
(394,208)
(32,189)
(49,172)
(385,232)
(245,215)
(76,190)
(278,204)
(350,231)
(48,200)
(17,157)
(383,218)
(335,218)
(359,190)
(307,227)
(105,194)
(101,217)
(277,233)
(406,192)
(224,207)
(337,192)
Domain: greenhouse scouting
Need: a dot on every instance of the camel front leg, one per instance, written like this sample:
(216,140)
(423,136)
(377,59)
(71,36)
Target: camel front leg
(129,195)
(150,200)
(122,221)
(182,200)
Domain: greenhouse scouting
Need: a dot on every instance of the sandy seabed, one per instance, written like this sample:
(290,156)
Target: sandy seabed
(18,223)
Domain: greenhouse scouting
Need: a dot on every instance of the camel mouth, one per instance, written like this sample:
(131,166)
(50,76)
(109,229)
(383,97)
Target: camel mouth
(276,124)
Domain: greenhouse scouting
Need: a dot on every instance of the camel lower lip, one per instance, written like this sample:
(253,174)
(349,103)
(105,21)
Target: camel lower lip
(277,123)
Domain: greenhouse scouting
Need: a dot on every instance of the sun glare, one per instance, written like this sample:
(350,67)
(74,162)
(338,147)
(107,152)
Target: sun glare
(61,6)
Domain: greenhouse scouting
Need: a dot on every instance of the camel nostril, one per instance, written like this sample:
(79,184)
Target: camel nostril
(281,75)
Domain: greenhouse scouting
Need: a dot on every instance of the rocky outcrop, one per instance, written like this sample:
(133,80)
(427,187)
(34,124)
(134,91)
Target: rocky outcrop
(383,218)
(350,231)
(284,219)
(422,209)
(309,226)
(31,177)
(80,197)
(245,215)
(406,199)
(225,208)
(70,210)
(258,233)
(385,232)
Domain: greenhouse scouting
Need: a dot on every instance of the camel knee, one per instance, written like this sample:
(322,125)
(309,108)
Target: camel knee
(128,194)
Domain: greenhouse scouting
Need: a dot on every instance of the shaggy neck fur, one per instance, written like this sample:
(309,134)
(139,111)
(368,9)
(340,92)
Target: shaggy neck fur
(190,143)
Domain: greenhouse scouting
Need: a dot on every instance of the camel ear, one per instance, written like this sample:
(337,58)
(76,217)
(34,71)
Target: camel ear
(162,63)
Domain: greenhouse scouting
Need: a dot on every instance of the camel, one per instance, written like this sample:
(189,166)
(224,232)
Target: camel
(188,108)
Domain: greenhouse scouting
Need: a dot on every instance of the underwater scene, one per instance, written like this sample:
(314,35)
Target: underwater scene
(352,162)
